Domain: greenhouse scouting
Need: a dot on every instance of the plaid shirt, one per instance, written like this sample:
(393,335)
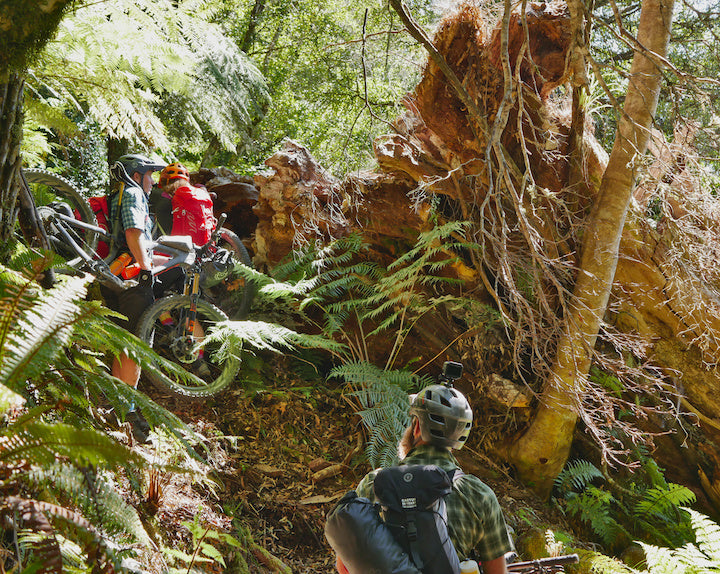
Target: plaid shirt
(134,212)
(475,520)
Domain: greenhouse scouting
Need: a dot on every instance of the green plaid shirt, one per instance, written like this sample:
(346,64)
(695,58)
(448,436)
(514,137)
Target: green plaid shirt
(475,520)
(134,213)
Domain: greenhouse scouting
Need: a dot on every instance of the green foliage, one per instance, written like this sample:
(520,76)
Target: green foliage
(319,70)
(127,67)
(650,509)
(382,403)
(51,345)
(356,302)
(350,293)
(204,551)
(702,555)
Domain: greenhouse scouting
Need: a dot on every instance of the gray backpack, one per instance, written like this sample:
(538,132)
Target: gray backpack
(405,532)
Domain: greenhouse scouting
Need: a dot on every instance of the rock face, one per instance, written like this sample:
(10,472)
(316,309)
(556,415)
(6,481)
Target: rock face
(667,292)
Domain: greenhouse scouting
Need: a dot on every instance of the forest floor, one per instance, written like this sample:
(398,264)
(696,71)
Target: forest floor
(281,457)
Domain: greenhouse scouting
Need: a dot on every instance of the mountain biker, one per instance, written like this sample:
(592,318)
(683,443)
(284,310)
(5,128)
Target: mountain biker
(441,418)
(131,229)
(172,176)
(182,208)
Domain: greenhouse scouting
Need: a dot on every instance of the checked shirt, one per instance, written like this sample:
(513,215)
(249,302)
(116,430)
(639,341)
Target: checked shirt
(475,520)
(134,212)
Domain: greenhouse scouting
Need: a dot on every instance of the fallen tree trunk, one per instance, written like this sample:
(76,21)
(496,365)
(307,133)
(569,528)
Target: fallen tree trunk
(529,219)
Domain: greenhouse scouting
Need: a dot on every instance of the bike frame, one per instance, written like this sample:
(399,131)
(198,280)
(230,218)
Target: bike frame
(541,565)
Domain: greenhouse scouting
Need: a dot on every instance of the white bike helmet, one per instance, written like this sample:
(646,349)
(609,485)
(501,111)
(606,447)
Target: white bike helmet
(445,416)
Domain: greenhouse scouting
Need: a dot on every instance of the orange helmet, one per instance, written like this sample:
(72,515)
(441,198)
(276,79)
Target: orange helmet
(173,171)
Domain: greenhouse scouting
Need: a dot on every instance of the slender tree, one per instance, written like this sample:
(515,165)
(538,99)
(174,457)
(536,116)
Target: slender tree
(544,448)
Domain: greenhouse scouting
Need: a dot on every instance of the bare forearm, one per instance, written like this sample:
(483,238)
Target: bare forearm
(137,244)
(497,566)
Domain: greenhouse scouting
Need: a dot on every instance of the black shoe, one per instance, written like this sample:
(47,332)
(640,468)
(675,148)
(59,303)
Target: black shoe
(139,426)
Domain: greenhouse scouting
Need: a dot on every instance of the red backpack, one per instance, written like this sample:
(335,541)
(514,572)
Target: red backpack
(99,205)
(193,214)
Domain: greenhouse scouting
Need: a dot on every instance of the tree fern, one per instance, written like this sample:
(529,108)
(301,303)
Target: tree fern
(113,62)
(382,403)
(577,475)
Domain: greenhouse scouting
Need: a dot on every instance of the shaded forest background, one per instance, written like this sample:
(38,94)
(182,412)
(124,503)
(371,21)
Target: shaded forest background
(531,192)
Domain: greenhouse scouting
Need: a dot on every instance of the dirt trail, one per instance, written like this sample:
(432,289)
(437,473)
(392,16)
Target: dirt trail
(284,455)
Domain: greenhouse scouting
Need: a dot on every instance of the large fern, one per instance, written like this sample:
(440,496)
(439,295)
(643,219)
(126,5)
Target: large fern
(52,354)
(382,402)
(115,62)
(702,555)
(649,508)
(353,300)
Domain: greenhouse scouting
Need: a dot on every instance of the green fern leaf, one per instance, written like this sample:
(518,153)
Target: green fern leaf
(659,502)
(577,475)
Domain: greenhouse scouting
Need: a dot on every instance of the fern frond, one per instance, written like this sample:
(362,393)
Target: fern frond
(29,441)
(236,336)
(41,514)
(383,402)
(593,506)
(601,564)
(658,502)
(576,475)
(96,495)
(36,335)
(707,534)
(659,559)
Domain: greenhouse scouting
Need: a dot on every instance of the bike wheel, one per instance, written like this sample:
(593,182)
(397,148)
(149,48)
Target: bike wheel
(49,187)
(235,294)
(169,342)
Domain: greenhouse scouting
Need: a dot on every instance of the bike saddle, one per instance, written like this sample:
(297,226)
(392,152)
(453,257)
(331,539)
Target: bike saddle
(179,242)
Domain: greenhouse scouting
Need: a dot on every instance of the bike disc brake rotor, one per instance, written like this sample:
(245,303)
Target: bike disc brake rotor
(182,347)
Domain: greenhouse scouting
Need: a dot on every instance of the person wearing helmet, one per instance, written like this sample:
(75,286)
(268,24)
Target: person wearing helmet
(173,176)
(131,227)
(440,421)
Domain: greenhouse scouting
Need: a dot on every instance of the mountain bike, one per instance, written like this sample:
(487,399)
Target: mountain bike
(55,195)
(544,565)
(176,324)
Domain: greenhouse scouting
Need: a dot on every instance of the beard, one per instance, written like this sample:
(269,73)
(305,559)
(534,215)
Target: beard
(407,443)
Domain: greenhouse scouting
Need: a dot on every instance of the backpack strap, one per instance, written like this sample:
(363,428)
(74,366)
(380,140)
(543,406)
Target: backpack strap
(412,536)
(117,220)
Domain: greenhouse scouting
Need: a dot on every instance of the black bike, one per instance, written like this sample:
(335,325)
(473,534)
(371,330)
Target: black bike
(543,565)
(175,325)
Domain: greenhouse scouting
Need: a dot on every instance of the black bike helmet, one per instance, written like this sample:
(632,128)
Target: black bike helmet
(126,165)
(445,416)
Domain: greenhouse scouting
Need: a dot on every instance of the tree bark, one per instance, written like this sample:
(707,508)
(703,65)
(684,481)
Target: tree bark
(542,451)
(27,26)
(11,93)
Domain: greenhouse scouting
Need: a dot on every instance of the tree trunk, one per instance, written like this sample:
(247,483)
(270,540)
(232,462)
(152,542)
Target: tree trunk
(26,27)
(11,93)
(542,451)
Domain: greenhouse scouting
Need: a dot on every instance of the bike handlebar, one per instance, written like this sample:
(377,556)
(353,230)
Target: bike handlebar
(179,249)
(542,564)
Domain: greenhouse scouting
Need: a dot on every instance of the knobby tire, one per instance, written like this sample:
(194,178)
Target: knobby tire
(239,304)
(152,331)
(47,186)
